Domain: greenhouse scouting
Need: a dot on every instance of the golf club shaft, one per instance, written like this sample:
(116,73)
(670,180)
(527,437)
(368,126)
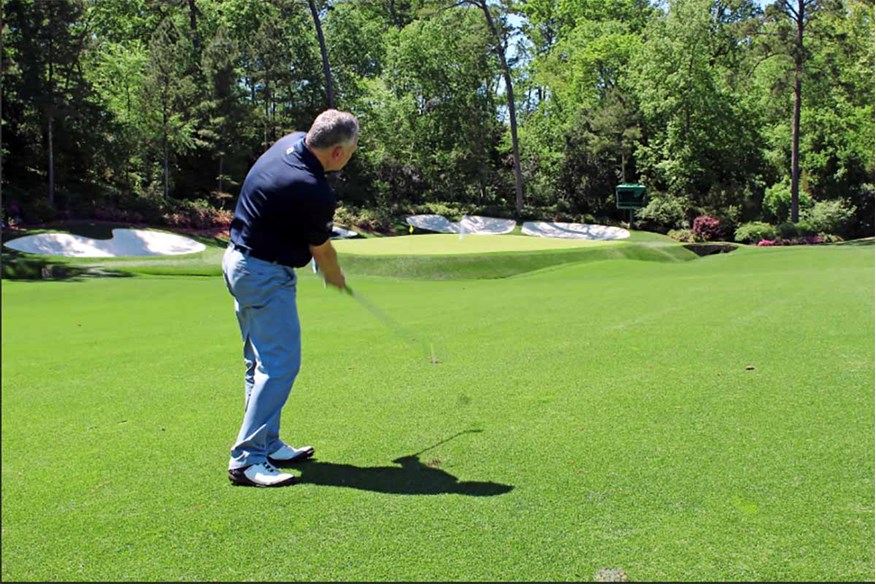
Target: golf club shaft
(393,324)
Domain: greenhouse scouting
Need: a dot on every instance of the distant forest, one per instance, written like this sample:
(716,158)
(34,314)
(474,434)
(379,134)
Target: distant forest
(757,115)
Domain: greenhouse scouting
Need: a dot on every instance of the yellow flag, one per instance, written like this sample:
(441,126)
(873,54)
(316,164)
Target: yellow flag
(411,229)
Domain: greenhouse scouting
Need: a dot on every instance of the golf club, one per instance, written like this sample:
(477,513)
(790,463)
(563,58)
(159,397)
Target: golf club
(460,433)
(400,330)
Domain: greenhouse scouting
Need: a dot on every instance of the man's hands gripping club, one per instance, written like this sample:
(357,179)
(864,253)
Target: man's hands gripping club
(327,260)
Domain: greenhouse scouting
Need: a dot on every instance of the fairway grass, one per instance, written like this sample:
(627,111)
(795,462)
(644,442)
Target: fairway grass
(710,419)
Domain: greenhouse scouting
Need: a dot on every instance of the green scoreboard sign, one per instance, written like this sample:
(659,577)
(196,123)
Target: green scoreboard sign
(630,195)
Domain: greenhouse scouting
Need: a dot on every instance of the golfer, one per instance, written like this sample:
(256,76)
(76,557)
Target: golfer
(283,219)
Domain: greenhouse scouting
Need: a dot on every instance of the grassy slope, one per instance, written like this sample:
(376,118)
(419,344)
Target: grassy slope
(437,257)
(613,398)
(19,265)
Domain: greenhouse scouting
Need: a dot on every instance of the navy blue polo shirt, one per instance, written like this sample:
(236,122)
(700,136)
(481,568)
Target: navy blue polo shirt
(285,205)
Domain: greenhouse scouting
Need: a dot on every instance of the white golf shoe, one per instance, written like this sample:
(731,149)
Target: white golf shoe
(260,475)
(288,454)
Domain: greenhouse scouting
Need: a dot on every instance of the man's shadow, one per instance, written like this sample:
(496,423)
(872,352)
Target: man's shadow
(412,477)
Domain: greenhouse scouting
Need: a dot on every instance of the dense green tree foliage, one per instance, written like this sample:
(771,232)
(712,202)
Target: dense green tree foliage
(532,108)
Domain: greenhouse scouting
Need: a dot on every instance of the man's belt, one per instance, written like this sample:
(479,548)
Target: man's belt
(248,252)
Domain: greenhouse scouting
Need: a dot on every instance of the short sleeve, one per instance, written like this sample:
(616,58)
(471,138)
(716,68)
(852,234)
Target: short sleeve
(319,226)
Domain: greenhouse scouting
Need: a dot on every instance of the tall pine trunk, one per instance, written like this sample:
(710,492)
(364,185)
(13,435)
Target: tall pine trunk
(326,69)
(2,76)
(512,110)
(798,104)
(51,139)
(50,115)
(166,155)
(193,26)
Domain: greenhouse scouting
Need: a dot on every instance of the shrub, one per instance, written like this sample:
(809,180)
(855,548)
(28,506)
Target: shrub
(197,213)
(222,218)
(451,211)
(38,211)
(787,230)
(375,221)
(150,209)
(683,235)
(379,220)
(805,229)
(222,200)
(111,213)
(173,219)
(663,212)
(706,228)
(777,201)
(807,240)
(830,216)
(344,216)
(754,232)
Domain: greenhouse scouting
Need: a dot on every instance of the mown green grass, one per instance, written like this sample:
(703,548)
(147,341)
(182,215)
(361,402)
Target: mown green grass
(701,420)
(430,256)
(450,244)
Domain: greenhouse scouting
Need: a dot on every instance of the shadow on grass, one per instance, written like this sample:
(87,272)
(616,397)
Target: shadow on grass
(17,266)
(411,477)
(705,249)
(867,241)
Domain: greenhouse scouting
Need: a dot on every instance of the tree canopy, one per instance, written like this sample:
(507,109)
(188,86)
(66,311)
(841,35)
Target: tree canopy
(524,108)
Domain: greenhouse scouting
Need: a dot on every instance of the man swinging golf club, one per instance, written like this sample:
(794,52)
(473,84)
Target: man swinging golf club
(283,219)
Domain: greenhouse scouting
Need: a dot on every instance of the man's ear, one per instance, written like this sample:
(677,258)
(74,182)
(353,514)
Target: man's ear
(337,152)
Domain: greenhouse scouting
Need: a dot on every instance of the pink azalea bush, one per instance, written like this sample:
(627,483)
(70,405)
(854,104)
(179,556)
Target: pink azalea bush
(706,228)
(806,240)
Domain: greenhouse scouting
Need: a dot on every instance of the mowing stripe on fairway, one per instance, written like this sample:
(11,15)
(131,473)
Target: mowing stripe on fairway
(708,420)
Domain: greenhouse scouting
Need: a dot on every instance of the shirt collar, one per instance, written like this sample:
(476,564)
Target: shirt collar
(309,159)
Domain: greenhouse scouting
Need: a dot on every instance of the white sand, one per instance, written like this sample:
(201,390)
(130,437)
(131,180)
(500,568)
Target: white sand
(342,233)
(485,225)
(473,224)
(573,230)
(477,225)
(432,223)
(125,242)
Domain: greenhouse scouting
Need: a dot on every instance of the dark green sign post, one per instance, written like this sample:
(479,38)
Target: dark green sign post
(630,196)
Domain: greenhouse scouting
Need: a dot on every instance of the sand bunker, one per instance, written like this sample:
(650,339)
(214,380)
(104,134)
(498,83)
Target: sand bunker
(125,242)
(573,230)
(342,233)
(432,223)
(485,225)
(473,224)
(477,225)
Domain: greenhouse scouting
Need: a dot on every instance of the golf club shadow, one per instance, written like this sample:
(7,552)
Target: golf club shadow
(412,477)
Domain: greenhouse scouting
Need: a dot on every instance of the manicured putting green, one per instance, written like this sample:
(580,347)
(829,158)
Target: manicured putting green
(452,244)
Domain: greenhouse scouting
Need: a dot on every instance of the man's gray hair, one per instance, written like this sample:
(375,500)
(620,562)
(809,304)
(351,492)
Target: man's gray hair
(333,128)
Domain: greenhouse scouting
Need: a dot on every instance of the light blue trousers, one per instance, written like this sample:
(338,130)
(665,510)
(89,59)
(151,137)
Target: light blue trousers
(264,300)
